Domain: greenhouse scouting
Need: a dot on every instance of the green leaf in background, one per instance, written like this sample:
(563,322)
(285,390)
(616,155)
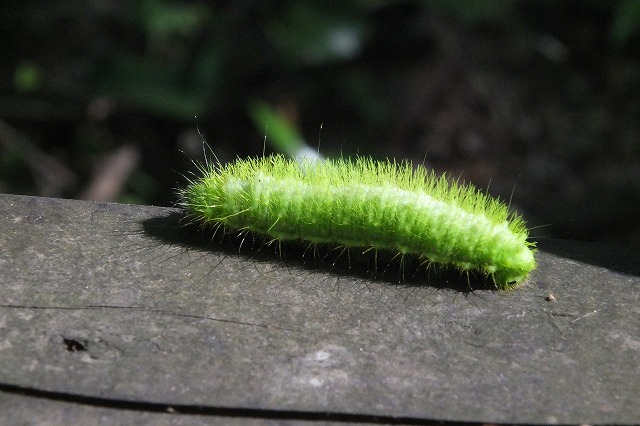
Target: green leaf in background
(27,77)
(282,135)
(163,20)
(172,77)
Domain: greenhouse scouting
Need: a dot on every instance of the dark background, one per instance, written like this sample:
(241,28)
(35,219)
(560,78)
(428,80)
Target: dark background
(535,98)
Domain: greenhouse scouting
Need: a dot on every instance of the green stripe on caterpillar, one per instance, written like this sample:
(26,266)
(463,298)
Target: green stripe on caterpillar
(377,205)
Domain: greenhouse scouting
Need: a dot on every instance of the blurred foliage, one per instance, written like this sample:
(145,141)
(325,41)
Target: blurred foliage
(82,78)
(471,12)
(626,22)
(27,77)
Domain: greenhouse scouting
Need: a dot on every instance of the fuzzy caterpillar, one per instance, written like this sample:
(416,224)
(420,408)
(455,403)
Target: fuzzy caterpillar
(378,205)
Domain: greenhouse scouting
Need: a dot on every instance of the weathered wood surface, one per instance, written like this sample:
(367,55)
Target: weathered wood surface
(107,310)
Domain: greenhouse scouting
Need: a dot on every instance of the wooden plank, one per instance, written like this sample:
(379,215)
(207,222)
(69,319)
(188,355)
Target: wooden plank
(118,308)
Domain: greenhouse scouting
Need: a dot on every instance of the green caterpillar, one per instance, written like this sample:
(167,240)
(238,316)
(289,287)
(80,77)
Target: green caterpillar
(378,205)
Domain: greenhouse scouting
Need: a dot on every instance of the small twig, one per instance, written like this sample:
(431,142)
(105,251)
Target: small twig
(112,174)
